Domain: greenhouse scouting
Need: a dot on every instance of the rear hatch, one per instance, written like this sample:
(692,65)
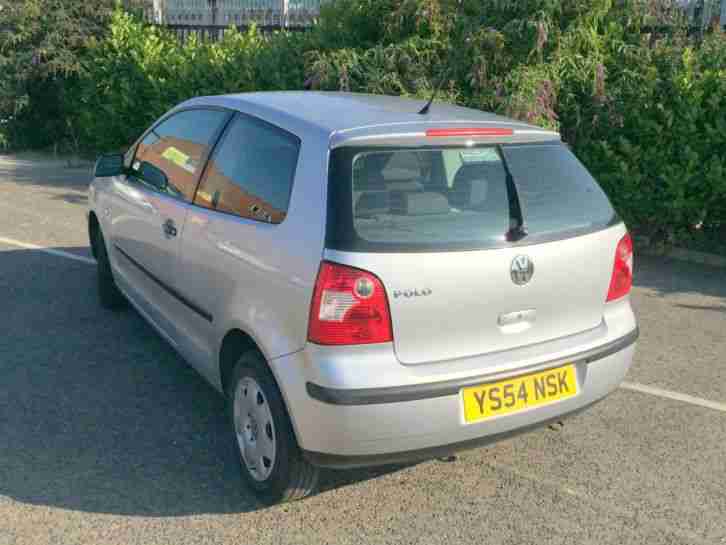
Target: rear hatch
(481,247)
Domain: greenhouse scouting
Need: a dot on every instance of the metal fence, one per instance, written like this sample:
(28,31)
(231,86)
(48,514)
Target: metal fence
(216,33)
(209,19)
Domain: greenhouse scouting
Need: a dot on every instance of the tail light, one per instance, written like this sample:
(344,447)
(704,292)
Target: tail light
(622,278)
(349,307)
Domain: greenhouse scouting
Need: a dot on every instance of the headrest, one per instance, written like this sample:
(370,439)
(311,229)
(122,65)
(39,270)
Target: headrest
(371,172)
(370,182)
(370,203)
(470,186)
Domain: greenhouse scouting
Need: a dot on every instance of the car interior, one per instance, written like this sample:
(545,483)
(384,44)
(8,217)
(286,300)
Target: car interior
(418,183)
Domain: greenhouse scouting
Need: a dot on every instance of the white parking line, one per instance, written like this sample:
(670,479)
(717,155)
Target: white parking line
(642,388)
(51,251)
(668,394)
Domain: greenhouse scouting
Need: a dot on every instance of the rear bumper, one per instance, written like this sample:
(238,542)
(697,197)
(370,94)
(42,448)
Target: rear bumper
(343,426)
(338,461)
(398,394)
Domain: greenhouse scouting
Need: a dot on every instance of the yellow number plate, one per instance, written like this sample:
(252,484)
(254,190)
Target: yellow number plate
(516,394)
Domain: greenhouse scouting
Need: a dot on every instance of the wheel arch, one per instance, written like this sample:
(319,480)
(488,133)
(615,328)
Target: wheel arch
(234,343)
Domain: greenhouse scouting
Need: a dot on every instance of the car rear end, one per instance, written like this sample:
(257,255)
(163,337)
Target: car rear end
(475,283)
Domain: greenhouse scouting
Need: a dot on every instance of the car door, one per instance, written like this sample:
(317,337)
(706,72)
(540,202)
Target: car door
(233,249)
(150,206)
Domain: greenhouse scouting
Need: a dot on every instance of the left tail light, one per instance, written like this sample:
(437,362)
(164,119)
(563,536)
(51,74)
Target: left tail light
(349,307)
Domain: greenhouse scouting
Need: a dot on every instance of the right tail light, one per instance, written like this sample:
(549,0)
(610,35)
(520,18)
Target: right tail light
(622,278)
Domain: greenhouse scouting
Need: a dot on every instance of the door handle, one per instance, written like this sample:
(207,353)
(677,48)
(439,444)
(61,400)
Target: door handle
(169,228)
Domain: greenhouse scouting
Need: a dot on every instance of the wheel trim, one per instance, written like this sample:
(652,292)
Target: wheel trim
(254,428)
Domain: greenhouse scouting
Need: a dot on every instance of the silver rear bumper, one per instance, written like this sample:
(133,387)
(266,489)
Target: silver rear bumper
(352,427)
(338,461)
(398,394)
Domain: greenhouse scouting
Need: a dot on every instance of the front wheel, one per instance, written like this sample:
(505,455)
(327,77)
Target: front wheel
(108,293)
(272,464)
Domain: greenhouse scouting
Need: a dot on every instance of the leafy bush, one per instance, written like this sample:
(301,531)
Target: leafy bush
(41,46)
(654,139)
(138,72)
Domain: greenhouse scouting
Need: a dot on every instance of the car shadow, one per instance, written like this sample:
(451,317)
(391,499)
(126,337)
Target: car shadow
(669,276)
(99,414)
(71,198)
(709,308)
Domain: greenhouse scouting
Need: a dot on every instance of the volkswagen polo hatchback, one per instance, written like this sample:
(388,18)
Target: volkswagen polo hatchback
(365,283)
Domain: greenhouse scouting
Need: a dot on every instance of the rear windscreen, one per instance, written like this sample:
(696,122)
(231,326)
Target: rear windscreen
(432,199)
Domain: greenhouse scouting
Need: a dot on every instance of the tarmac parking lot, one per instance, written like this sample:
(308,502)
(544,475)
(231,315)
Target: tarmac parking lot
(107,437)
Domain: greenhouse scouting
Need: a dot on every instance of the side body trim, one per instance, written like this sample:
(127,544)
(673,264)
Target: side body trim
(171,291)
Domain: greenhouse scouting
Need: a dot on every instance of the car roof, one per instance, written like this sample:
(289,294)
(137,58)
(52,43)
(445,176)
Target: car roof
(341,116)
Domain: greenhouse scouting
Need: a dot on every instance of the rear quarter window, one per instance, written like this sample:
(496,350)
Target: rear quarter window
(251,172)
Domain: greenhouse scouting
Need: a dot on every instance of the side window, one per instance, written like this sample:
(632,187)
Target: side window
(170,156)
(251,172)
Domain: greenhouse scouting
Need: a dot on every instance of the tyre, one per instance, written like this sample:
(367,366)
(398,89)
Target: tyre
(271,461)
(108,293)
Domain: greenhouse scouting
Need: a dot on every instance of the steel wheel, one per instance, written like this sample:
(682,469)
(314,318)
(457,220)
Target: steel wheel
(273,467)
(255,429)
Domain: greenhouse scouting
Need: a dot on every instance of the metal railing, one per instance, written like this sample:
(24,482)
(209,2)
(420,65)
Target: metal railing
(216,33)
(210,18)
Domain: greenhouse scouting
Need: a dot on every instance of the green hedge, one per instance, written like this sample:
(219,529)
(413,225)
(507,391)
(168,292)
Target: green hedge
(647,115)
(138,72)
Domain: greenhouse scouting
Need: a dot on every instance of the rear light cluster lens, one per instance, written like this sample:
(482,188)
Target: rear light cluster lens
(349,307)
(622,278)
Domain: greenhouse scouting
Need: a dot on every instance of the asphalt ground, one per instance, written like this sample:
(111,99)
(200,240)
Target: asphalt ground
(107,437)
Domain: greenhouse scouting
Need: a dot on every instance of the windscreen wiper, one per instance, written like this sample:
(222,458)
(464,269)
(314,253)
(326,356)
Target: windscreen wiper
(517,226)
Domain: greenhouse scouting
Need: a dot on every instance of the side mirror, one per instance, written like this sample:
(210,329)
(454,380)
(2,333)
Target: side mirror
(109,164)
(153,176)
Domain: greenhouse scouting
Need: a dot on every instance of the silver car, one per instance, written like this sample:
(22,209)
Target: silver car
(365,282)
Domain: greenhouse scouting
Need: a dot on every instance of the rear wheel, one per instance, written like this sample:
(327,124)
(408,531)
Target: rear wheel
(108,293)
(272,464)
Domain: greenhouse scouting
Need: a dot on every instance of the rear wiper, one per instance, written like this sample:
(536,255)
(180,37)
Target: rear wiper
(517,226)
